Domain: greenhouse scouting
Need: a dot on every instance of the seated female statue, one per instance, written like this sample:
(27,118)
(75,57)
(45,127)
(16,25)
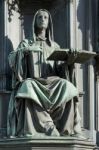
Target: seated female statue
(44,97)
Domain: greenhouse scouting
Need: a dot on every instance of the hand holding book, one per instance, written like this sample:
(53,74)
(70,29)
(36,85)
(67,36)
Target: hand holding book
(71,56)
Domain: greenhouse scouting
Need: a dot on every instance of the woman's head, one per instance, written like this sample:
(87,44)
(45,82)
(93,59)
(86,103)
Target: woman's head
(42,19)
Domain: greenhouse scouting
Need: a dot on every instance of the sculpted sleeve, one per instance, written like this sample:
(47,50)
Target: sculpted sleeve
(17,62)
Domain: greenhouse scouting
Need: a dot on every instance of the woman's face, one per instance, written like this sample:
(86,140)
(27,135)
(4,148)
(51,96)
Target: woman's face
(42,20)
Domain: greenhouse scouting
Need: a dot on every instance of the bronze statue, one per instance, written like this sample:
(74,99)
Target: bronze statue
(44,97)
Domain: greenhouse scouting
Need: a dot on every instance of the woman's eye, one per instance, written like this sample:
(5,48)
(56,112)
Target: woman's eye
(40,17)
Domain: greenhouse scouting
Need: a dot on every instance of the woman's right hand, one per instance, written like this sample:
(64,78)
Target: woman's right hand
(34,48)
(28,49)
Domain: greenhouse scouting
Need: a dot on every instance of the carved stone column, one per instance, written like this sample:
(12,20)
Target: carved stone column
(81,33)
(97,97)
(91,79)
(8,40)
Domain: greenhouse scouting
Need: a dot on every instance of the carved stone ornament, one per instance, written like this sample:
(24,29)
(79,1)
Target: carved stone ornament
(30,6)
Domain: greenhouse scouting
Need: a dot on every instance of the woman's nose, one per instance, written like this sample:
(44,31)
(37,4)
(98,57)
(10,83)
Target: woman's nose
(42,18)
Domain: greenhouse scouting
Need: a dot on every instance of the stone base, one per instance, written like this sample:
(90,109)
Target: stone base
(52,143)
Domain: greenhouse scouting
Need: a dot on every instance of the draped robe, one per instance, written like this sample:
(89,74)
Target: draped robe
(43,99)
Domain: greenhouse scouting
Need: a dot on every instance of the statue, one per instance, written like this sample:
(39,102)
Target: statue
(44,97)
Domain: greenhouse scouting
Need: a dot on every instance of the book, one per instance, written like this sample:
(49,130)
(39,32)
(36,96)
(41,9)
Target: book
(80,56)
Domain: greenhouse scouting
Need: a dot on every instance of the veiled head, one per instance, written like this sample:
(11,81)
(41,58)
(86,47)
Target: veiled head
(42,19)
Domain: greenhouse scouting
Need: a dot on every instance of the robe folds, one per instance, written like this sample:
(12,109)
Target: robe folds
(44,98)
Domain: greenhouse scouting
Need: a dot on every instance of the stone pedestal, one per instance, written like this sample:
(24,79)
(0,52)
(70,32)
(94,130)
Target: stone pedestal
(52,143)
